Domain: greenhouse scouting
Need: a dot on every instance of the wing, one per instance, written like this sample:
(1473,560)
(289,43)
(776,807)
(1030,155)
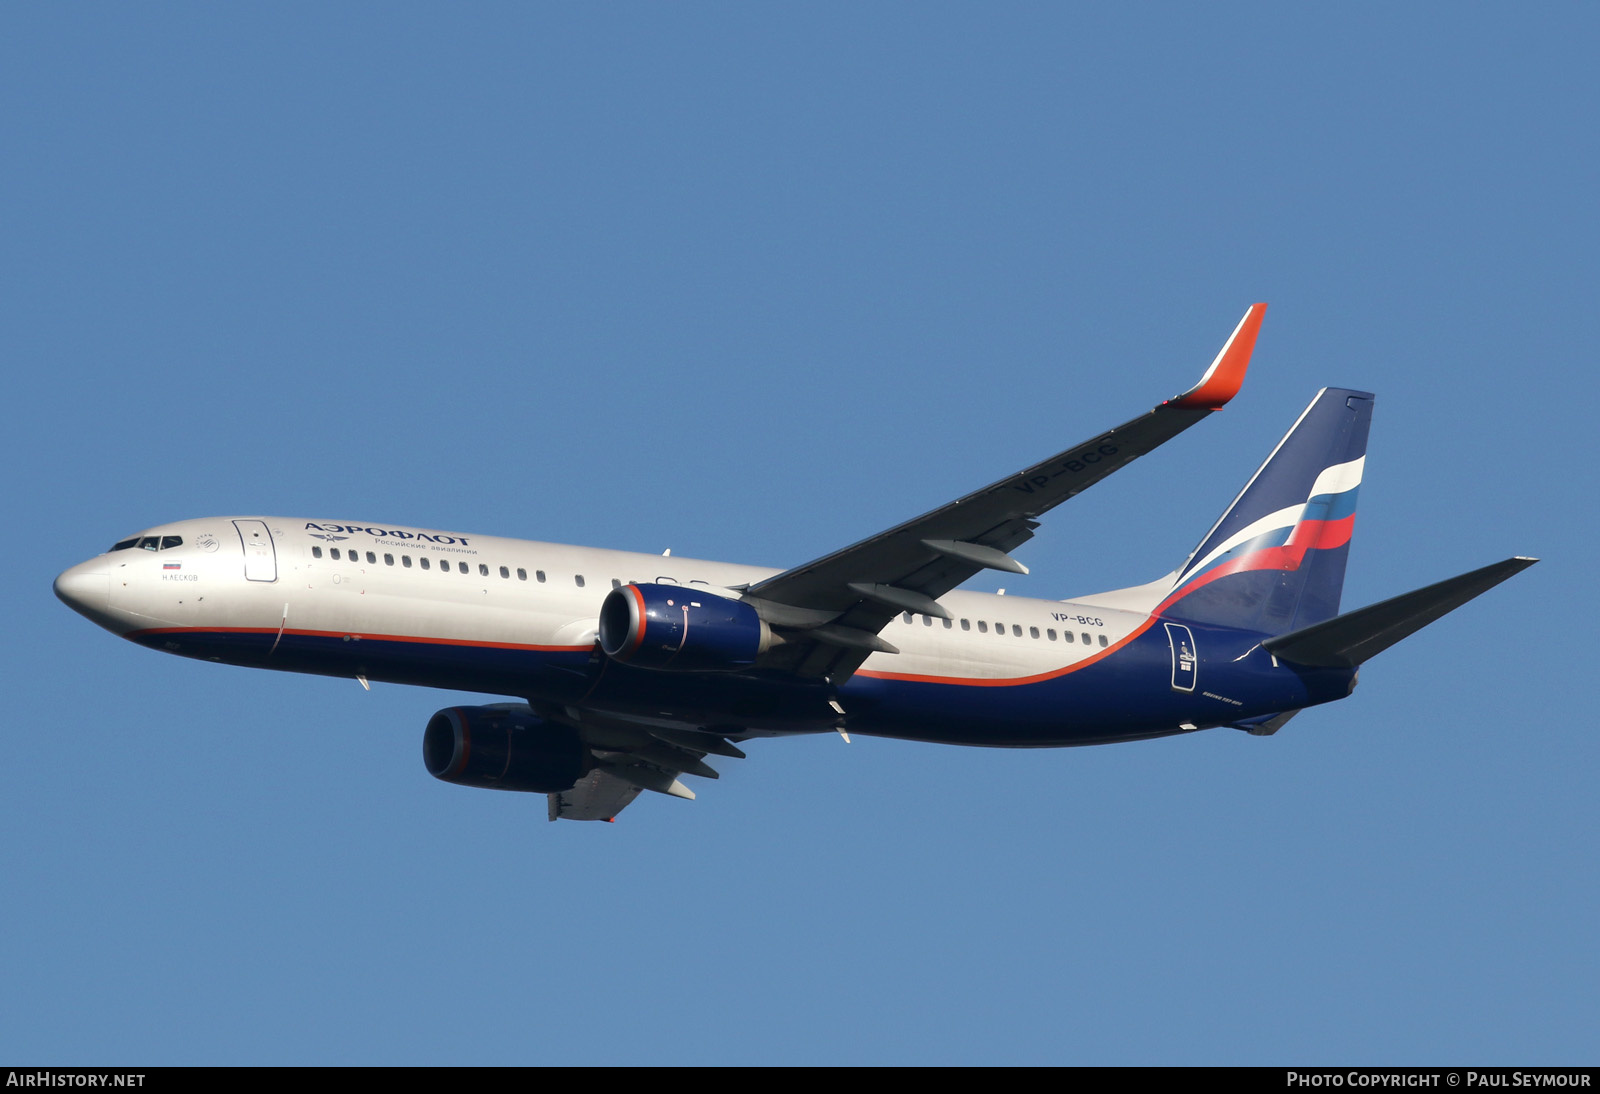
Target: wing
(830,610)
(631,755)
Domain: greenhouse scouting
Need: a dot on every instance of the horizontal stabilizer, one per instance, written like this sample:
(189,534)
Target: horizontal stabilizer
(1348,640)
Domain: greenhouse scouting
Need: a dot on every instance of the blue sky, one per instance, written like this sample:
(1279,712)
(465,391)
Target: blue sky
(751,283)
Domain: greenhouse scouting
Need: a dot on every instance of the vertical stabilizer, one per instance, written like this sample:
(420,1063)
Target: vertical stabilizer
(1275,561)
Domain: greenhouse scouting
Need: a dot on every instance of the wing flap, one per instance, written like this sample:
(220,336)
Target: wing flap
(598,796)
(630,755)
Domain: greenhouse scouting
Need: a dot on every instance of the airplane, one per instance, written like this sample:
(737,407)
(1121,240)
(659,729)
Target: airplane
(631,669)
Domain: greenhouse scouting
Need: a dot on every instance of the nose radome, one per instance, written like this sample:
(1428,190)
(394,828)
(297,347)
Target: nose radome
(86,589)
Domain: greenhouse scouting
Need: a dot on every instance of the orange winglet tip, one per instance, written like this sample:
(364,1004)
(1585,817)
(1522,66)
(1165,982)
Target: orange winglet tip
(1226,374)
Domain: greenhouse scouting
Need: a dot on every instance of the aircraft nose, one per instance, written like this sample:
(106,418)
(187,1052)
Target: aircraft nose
(86,588)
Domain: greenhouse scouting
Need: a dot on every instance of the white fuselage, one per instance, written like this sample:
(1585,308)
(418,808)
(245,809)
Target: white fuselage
(412,584)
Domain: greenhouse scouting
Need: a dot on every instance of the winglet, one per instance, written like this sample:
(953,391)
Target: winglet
(1226,374)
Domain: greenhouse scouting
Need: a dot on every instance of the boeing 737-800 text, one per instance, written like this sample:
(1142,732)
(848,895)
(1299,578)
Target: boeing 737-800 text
(633,668)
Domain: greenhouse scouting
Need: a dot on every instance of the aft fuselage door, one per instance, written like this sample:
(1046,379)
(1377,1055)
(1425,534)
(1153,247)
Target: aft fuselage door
(260,558)
(1185,661)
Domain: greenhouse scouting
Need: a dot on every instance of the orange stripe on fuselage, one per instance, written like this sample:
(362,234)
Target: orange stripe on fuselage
(364,635)
(1307,535)
(1012,681)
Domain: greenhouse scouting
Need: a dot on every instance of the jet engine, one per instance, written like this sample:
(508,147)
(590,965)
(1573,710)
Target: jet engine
(682,628)
(503,747)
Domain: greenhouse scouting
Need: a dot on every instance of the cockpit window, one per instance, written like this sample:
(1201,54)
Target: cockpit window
(148,543)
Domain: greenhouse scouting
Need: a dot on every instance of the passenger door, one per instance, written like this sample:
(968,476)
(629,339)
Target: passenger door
(260,557)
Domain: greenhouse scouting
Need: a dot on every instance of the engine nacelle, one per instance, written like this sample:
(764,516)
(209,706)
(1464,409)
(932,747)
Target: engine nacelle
(682,628)
(503,747)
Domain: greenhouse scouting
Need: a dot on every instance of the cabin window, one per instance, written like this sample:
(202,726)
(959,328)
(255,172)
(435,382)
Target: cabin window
(425,563)
(505,572)
(316,552)
(615,584)
(405,560)
(388,559)
(537,574)
(1033,632)
(927,621)
(577,579)
(1103,642)
(965,625)
(1068,636)
(372,557)
(1050,634)
(1087,641)
(983,628)
(1016,629)
(905,617)
(334,553)
(483,571)
(948,624)
(522,575)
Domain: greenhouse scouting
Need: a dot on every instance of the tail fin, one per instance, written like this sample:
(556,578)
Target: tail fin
(1275,561)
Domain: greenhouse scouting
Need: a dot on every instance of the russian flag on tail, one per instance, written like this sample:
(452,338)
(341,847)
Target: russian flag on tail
(1275,560)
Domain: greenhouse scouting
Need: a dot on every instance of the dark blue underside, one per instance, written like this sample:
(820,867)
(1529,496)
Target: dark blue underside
(1125,696)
